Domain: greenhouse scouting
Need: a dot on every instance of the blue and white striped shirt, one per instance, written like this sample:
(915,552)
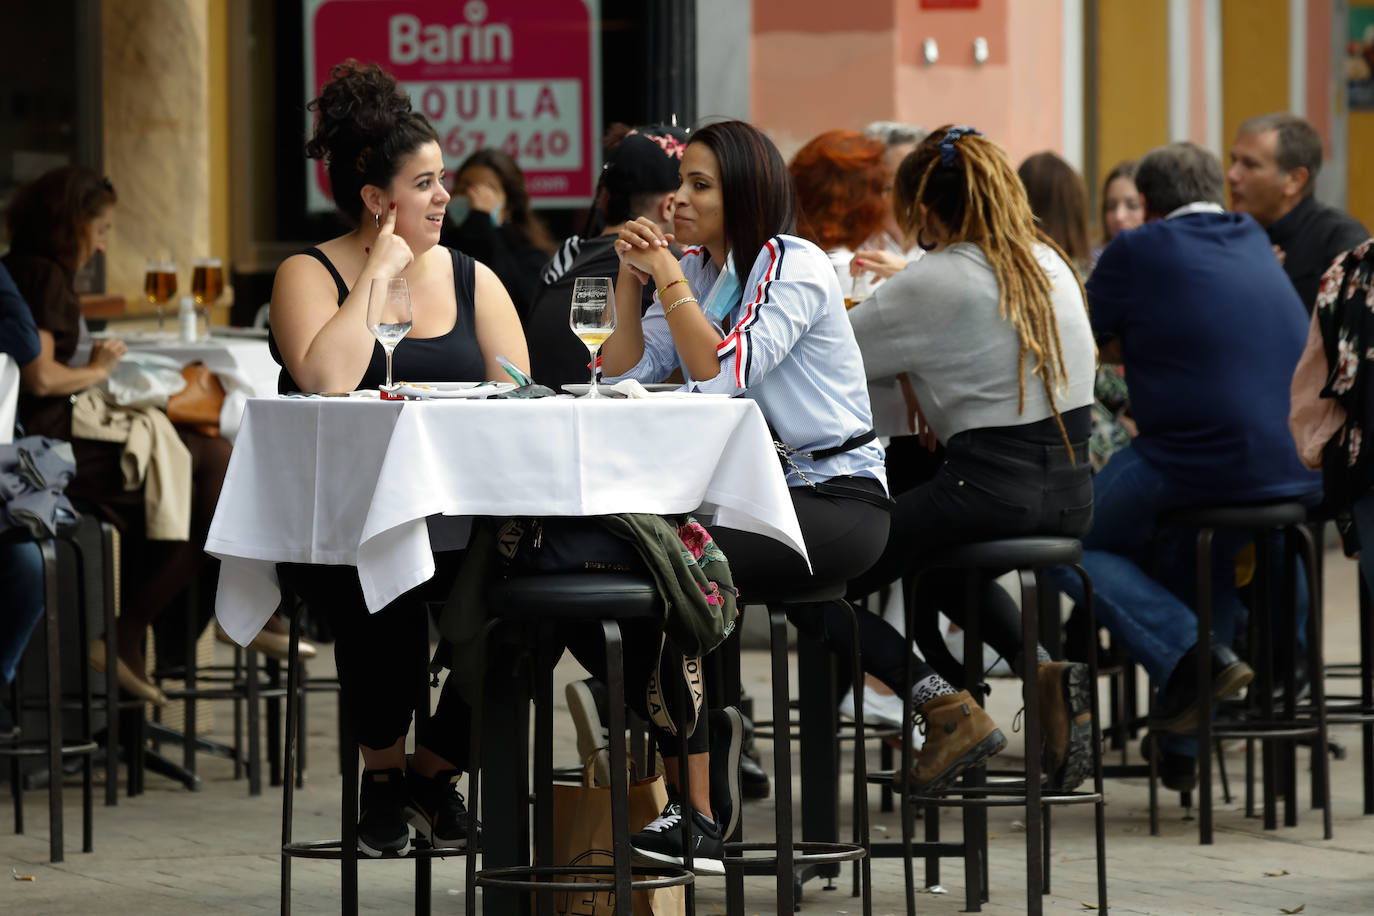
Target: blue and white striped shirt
(790,348)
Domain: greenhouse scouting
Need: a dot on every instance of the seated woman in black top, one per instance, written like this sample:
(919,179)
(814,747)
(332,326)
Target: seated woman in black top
(386,171)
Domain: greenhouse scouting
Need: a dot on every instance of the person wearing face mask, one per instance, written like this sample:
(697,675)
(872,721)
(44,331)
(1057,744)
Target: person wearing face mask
(490,220)
(386,173)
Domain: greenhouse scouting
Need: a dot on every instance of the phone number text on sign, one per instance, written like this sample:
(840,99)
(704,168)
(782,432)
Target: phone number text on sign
(538,123)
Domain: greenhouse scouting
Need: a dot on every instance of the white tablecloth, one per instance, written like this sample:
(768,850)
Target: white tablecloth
(352,482)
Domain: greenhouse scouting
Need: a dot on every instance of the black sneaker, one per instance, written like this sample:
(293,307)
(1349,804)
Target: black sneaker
(1177,771)
(753,781)
(587,704)
(8,730)
(382,828)
(727,731)
(662,840)
(436,810)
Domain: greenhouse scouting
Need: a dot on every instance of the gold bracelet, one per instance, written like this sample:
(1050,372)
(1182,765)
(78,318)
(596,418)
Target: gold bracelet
(677,303)
(663,289)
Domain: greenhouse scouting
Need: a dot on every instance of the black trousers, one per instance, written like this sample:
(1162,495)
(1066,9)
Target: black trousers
(383,658)
(844,536)
(993,483)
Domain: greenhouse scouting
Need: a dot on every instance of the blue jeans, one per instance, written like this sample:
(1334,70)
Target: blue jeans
(21,582)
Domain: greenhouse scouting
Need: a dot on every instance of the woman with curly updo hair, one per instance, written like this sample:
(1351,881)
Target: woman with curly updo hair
(841,200)
(386,175)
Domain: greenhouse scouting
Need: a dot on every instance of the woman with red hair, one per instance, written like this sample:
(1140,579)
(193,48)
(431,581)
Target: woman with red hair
(841,189)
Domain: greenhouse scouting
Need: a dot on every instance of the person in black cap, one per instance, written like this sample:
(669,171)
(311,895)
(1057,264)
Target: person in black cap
(639,179)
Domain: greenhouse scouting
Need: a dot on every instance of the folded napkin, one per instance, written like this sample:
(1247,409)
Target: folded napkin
(631,388)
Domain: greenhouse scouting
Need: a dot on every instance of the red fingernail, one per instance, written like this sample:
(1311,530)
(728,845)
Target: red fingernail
(367,250)
(393,205)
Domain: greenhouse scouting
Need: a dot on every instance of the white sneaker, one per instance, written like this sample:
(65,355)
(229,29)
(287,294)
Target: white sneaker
(880,709)
(994,664)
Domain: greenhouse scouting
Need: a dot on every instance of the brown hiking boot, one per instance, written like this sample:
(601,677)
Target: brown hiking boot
(1066,723)
(959,734)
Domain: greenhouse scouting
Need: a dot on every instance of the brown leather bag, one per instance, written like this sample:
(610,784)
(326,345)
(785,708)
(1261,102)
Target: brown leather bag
(199,403)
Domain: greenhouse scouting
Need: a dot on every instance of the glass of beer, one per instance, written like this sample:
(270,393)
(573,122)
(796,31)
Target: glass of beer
(207,285)
(160,285)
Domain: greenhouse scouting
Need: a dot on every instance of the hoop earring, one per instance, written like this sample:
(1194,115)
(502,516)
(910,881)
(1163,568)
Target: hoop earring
(377,220)
(920,240)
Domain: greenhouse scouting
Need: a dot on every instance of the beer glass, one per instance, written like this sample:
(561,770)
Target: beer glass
(160,285)
(207,285)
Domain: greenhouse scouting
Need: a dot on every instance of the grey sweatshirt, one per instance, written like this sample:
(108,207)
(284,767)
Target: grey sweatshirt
(937,321)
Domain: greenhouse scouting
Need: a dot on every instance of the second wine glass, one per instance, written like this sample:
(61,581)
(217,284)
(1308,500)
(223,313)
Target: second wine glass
(592,318)
(388,315)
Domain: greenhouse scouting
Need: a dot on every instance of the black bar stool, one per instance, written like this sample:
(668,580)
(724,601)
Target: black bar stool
(1261,723)
(789,856)
(345,849)
(53,745)
(535,605)
(1030,557)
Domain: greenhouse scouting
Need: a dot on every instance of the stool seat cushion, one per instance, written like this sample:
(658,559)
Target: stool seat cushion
(578,595)
(1236,515)
(1033,552)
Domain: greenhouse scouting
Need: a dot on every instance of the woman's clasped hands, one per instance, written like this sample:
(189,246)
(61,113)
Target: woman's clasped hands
(639,244)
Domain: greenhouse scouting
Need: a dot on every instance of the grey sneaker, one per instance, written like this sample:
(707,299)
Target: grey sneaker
(587,705)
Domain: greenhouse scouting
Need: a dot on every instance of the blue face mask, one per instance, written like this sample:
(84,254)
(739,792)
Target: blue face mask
(725,294)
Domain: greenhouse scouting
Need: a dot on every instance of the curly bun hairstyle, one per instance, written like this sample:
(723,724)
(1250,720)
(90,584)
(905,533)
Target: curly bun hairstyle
(840,179)
(364,127)
(48,216)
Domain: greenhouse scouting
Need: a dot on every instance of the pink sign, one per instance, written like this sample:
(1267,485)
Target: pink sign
(521,77)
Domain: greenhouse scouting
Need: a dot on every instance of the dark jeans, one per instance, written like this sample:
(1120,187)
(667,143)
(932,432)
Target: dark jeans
(383,658)
(994,483)
(21,582)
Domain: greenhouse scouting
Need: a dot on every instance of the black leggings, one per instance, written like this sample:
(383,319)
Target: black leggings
(383,658)
(843,536)
(995,482)
(640,644)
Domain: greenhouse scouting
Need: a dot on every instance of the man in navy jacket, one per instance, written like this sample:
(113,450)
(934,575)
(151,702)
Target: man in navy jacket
(1209,330)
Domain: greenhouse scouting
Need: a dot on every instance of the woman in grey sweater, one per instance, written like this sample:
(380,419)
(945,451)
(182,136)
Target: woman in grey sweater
(992,330)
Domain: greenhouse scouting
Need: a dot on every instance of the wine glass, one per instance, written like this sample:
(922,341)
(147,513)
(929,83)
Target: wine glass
(388,315)
(592,318)
(207,285)
(160,285)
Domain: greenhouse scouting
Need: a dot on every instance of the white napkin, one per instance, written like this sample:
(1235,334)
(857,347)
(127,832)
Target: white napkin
(631,388)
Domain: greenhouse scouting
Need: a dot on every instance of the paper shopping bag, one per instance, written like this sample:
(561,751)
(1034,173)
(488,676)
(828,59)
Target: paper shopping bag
(582,836)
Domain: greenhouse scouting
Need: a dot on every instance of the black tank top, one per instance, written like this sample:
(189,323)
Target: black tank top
(451,357)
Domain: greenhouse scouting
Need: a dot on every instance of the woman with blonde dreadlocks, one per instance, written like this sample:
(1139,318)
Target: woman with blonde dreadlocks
(992,329)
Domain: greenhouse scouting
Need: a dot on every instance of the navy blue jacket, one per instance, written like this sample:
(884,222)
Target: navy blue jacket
(18,333)
(1211,330)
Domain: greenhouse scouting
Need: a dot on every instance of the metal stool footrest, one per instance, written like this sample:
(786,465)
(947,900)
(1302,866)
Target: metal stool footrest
(333,849)
(545,877)
(37,747)
(1001,796)
(804,853)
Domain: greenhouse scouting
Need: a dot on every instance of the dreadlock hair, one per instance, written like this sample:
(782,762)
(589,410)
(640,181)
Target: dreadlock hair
(969,186)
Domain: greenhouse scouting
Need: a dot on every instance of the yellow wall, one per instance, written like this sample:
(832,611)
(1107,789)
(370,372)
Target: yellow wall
(217,65)
(1360,177)
(1254,61)
(1133,80)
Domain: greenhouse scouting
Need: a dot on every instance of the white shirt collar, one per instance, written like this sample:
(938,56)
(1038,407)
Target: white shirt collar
(1197,206)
